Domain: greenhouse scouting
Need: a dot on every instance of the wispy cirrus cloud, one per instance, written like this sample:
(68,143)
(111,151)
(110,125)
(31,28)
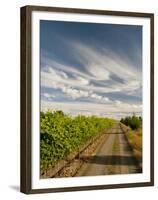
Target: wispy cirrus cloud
(99,68)
(98,75)
(73,87)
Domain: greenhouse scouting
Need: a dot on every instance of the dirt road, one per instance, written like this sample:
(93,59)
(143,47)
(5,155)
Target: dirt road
(112,156)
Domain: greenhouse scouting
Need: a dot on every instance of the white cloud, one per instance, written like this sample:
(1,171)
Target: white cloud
(82,80)
(105,62)
(53,78)
(117,102)
(98,72)
(101,98)
(59,80)
(95,96)
(113,110)
(99,65)
(48,96)
(74,93)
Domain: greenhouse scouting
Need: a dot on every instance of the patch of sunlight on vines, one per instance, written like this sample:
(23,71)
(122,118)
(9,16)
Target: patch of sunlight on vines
(60,134)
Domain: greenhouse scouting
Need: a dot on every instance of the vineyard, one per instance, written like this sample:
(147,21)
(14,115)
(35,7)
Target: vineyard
(61,134)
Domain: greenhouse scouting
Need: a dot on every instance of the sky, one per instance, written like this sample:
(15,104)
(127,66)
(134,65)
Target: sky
(91,68)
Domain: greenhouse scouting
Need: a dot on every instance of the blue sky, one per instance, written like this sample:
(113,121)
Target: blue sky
(91,69)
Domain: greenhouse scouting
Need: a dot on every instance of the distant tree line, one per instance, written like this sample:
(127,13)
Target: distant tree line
(133,122)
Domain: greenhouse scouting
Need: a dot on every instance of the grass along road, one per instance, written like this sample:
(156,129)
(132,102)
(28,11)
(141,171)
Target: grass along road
(112,156)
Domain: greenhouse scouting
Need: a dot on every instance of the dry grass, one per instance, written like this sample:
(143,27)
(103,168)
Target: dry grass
(135,140)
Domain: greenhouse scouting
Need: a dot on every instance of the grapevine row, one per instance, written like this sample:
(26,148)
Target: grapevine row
(60,134)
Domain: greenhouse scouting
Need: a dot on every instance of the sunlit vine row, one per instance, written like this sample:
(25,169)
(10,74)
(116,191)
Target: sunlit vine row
(61,134)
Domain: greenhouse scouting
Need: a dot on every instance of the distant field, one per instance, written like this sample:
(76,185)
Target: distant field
(61,134)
